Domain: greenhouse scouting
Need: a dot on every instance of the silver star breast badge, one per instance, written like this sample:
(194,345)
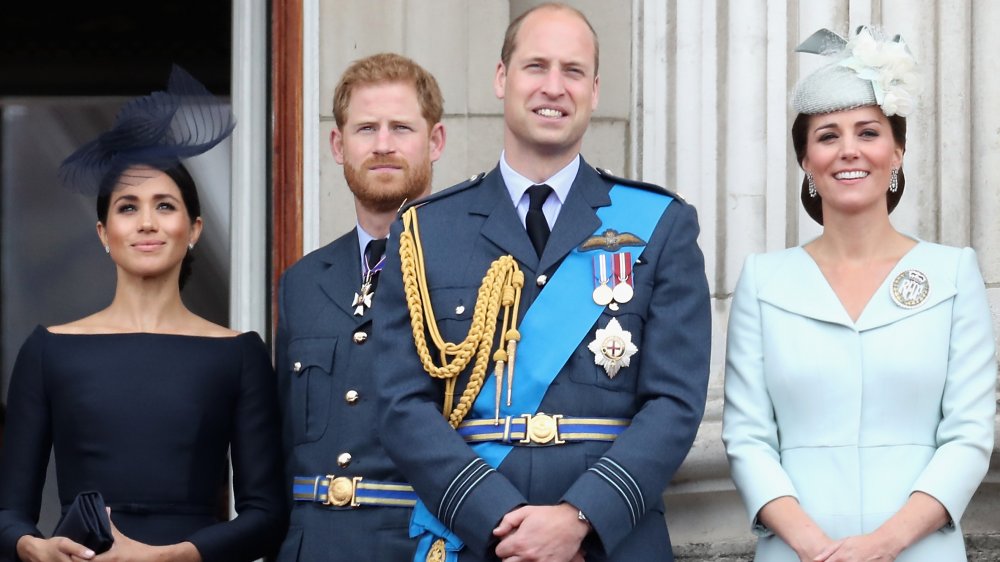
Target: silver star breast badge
(612,348)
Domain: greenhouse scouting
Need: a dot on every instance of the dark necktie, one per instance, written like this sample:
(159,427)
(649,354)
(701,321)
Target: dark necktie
(534,221)
(373,254)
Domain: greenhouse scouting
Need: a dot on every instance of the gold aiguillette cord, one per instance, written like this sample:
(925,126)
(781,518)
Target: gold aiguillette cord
(501,288)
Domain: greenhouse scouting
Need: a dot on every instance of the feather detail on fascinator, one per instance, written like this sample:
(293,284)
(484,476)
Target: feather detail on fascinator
(870,69)
(156,131)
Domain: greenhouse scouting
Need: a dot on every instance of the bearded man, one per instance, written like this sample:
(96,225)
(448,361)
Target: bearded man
(349,501)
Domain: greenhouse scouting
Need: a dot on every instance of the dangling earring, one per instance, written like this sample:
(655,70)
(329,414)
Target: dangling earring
(190,245)
(894,180)
(812,184)
(107,249)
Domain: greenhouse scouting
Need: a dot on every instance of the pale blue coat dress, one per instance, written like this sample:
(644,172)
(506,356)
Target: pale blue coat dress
(850,417)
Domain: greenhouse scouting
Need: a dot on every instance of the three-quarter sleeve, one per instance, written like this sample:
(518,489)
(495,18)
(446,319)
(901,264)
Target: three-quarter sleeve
(968,404)
(749,428)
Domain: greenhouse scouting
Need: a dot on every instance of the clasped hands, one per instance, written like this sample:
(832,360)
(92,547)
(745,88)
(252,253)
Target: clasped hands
(859,548)
(62,549)
(541,533)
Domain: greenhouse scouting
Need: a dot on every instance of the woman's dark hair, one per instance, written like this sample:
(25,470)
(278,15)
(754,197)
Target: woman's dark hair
(189,194)
(800,138)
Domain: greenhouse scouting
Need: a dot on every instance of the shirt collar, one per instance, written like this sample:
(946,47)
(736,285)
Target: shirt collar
(560,182)
(363,239)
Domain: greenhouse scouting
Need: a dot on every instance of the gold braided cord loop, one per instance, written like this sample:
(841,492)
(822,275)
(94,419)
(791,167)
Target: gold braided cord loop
(501,288)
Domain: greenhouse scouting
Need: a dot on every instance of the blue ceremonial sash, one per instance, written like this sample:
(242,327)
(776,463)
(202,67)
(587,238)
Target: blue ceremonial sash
(427,527)
(551,331)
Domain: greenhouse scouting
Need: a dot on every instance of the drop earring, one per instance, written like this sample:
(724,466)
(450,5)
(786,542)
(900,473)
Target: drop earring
(894,180)
(107,249)
(190,245)
(812,184)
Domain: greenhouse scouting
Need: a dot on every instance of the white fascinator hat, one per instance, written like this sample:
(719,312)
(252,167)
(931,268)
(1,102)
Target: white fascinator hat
(868,69)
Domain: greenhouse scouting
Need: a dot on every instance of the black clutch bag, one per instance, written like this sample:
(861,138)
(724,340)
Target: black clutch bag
(86,522)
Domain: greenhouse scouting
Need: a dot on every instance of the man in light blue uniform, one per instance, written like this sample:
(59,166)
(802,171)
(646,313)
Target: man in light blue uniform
(567,456)
(349,501)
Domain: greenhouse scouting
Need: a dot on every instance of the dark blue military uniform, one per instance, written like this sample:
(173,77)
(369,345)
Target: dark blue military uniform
(617,485)
(324,362)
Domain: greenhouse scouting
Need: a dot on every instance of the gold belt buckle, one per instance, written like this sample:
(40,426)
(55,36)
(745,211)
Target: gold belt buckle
(342,491)
(541,429)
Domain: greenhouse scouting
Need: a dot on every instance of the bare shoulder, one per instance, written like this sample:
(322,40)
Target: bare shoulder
(94,324)
(202,327)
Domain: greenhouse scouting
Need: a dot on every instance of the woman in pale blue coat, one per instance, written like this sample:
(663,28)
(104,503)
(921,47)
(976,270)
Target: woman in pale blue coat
(860,368)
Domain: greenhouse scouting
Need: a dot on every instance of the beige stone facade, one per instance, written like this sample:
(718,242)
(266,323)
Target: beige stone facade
(694,96)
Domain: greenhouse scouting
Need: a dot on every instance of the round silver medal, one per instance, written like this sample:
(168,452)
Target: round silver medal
(603,295)
(910,288)
(623,292)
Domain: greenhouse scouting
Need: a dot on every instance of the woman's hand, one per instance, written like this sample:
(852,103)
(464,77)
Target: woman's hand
(860,548)
(126,549)
(56,549)
(786,518)
(920,516)
(810,544)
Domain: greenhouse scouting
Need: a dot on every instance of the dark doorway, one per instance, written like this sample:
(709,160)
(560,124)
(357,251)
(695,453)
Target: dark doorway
(112,48)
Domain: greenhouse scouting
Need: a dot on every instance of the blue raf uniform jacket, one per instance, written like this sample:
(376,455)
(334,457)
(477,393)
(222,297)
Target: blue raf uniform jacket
(618,485)
(323,353)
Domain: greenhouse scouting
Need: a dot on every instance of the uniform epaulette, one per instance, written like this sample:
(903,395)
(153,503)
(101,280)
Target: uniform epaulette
(471,182)
(606,174)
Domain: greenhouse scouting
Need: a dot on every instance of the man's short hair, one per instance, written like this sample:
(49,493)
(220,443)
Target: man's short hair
(387,68)
(510,37)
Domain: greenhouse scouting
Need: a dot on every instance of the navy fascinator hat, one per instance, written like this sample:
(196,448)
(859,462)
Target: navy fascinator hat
(158,131)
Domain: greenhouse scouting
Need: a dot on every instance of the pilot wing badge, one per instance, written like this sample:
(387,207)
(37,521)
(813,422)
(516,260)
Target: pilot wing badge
(611,241)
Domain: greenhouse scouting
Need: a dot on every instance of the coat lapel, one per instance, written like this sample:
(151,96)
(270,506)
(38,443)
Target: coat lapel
(578,216)
(502,226)
(342,278)
(883,310)
(797,285)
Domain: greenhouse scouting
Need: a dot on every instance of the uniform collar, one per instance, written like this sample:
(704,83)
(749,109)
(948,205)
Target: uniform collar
(560,182)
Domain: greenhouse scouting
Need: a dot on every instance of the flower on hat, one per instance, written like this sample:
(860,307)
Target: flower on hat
(890,68)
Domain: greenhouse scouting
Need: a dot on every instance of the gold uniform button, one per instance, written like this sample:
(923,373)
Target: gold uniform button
(542,280)
(360,337)
(296,367)
(343,460)
(351,397)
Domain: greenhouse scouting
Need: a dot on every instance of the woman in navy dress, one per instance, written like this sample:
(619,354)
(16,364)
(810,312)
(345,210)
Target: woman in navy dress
(144,401)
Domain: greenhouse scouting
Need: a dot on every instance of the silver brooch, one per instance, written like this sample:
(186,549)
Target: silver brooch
(910,288)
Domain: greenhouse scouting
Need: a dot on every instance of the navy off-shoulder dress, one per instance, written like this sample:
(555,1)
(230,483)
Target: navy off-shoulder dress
(148,420)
